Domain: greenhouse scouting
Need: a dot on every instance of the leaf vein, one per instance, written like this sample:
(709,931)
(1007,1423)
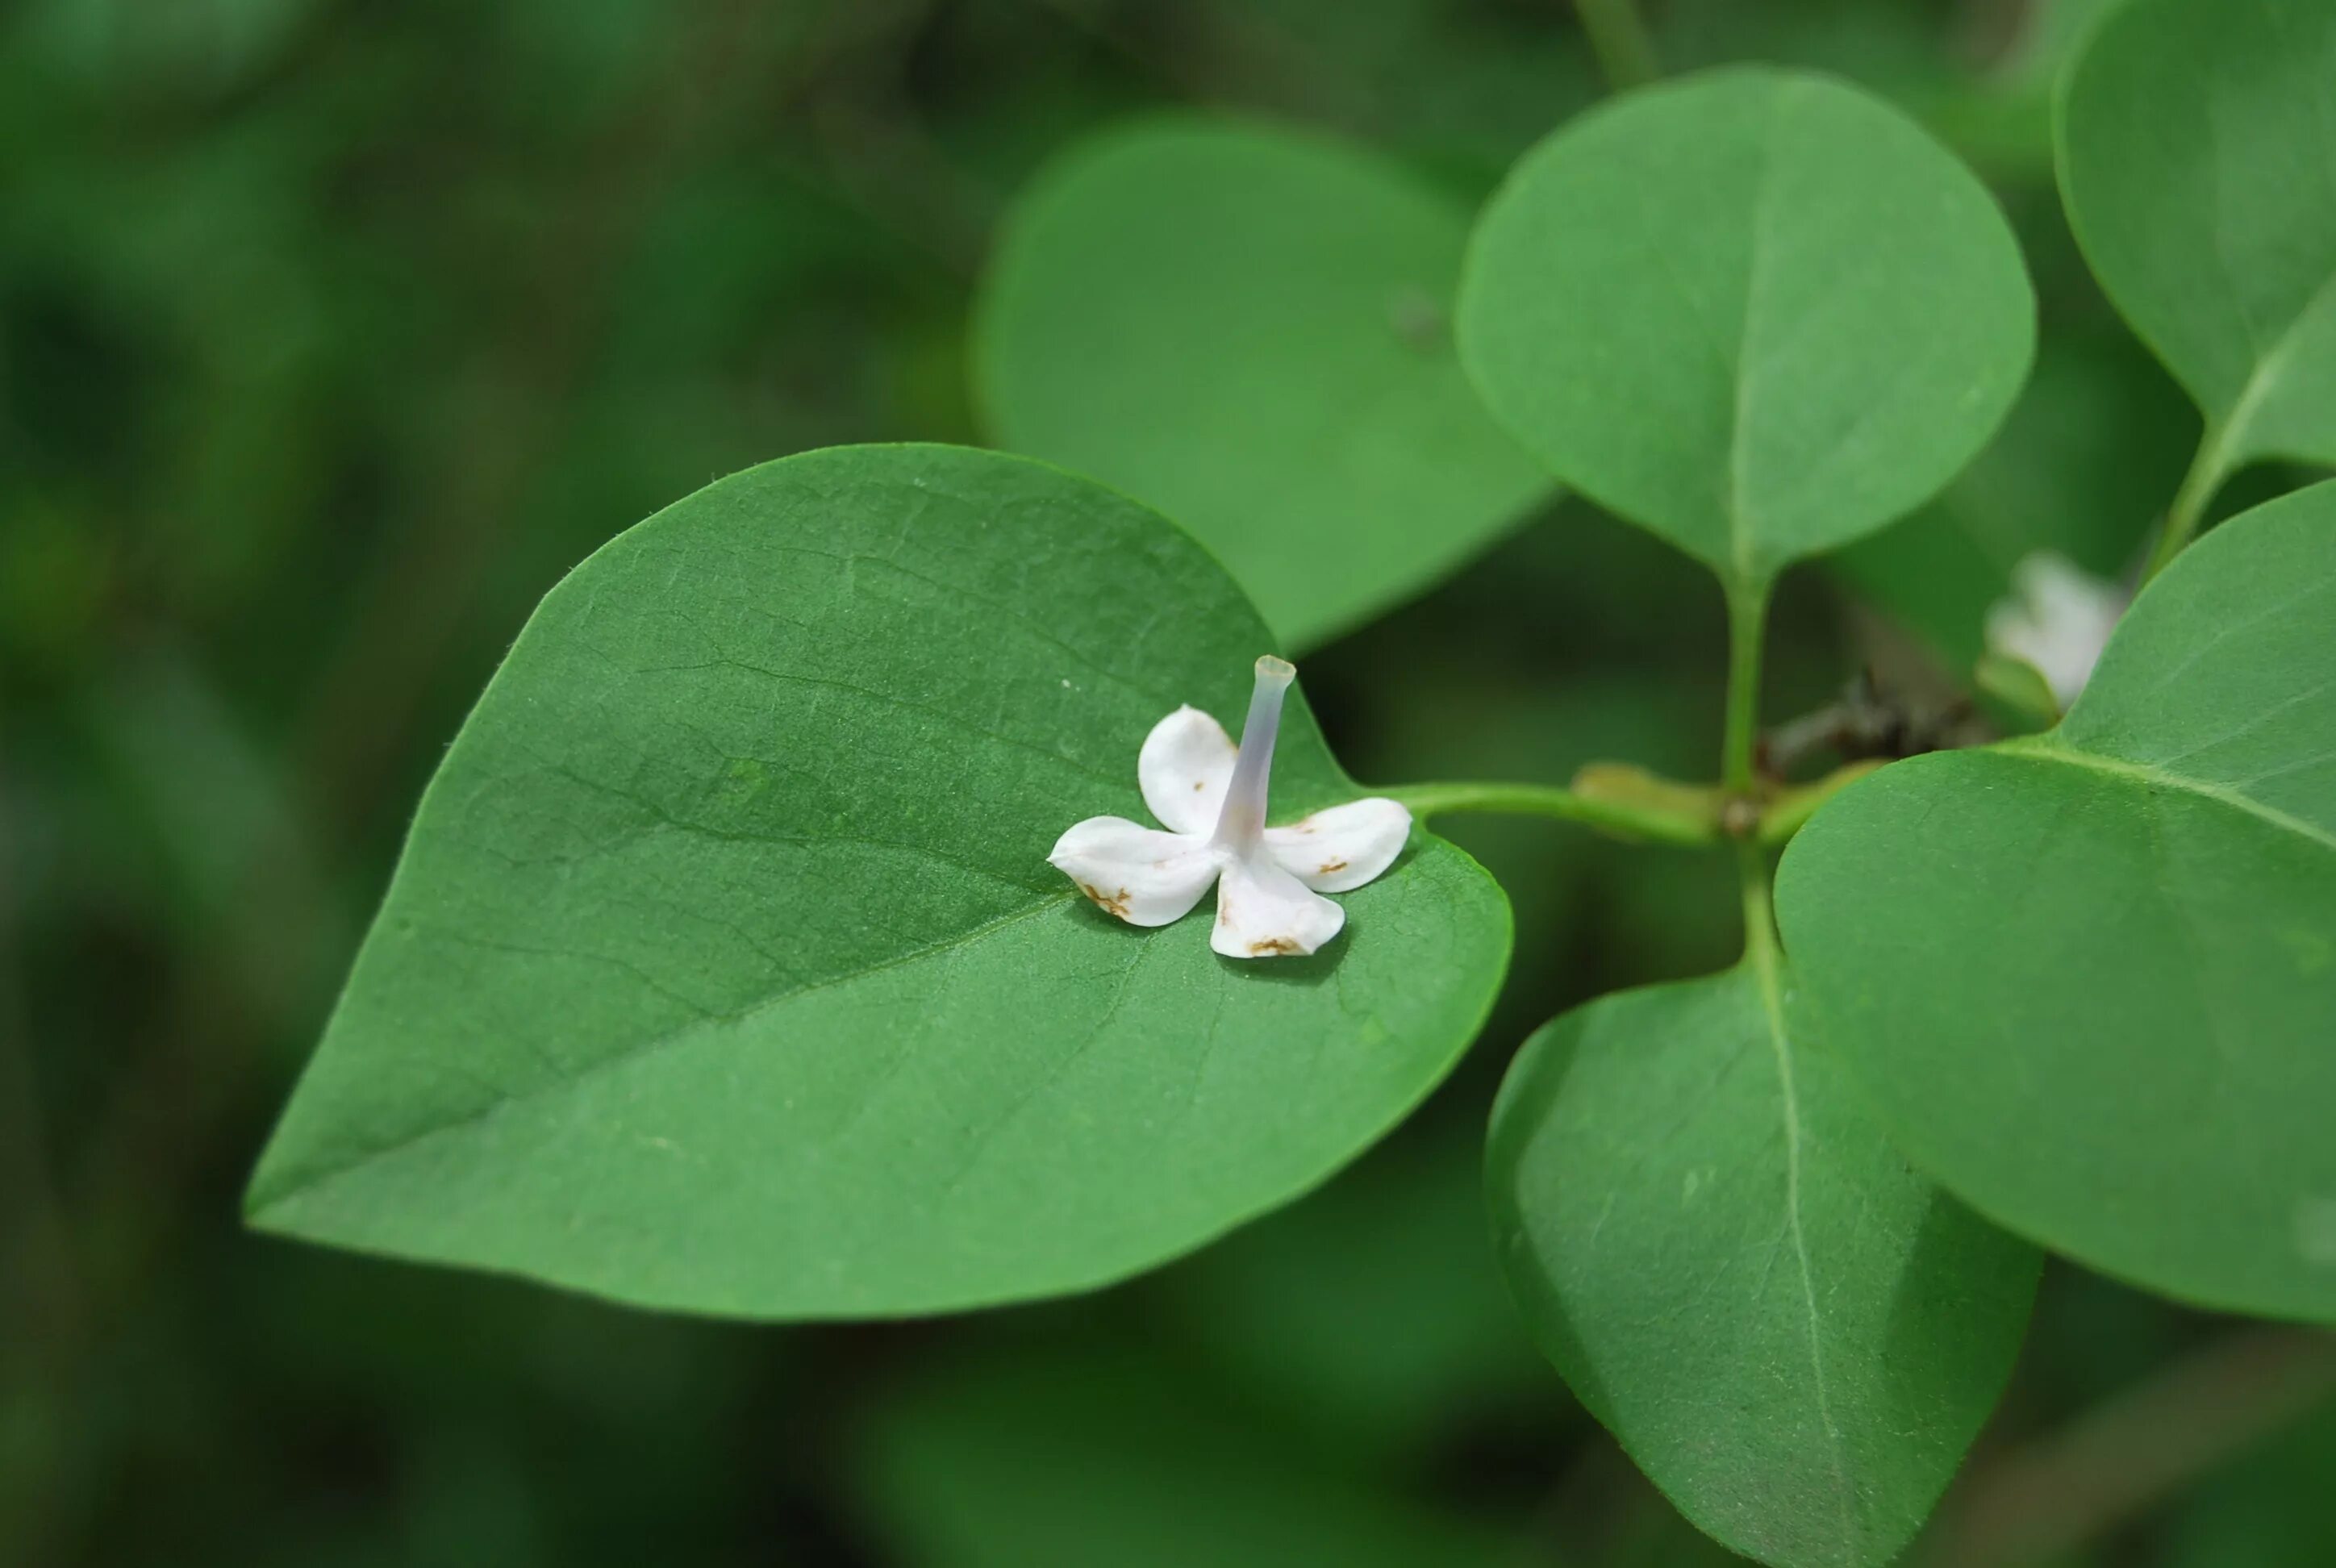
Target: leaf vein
(2071,756)
(1764,957)
(650,1046)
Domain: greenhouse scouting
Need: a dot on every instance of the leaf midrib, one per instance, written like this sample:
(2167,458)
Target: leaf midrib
(2050,749)
(2271,362)
(258,1205)
(1739,522)
(652,1044)
(1763,957)
(648,1045)
(2227,436)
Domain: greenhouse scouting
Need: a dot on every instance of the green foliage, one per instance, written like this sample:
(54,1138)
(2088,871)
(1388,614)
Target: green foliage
(1792,1334)
(1757,312)
(1249,329)
(724,970)
(2089,979)
(2196,141)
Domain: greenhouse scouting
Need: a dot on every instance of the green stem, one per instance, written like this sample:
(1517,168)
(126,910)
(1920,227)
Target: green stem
(1747,614)
(1625,53)
(1427,800)
(2208,469)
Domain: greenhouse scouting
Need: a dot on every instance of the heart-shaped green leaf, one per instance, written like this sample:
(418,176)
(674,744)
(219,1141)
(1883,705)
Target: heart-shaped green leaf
(1793,1335)
(1759,312)
(2197,140)
(2089,978)
(724,969)
(1248,328)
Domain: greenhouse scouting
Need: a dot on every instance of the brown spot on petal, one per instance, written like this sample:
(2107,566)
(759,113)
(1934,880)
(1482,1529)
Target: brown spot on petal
(1199,784)
(1281,945)
(1111,904)
(1329,866)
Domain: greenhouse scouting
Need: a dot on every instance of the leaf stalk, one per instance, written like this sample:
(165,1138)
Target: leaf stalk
(1626,54)
(2207,470)
(1655,821)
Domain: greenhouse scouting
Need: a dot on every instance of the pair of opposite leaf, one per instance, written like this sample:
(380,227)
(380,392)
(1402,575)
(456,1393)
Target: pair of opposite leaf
(1210,798)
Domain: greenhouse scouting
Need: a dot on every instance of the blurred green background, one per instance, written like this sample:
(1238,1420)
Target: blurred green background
(332,331)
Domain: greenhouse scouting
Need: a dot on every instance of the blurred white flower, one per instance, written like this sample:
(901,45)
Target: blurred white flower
(1210,797)
(2057,618)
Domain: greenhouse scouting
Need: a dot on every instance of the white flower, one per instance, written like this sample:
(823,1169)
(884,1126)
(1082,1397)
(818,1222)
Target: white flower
(1211,799)
(2057,619)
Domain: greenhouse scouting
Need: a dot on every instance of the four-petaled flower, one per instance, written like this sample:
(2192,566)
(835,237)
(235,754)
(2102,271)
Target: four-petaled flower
(1211,799)
(2056,618)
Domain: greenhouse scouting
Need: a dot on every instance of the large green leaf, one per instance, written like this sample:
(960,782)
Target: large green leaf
(1757,311)
(1792,1334)
(2197,150)
(2089,978)
(1248,328)
(724,969)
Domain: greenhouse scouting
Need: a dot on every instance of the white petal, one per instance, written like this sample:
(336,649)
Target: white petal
(2057,619)
(1185,764)
(1146,877)
(1340,848)
(2063,594)
(1264,911)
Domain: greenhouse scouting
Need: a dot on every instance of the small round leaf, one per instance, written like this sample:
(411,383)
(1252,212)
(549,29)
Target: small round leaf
(1757,311)
(1249,329)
